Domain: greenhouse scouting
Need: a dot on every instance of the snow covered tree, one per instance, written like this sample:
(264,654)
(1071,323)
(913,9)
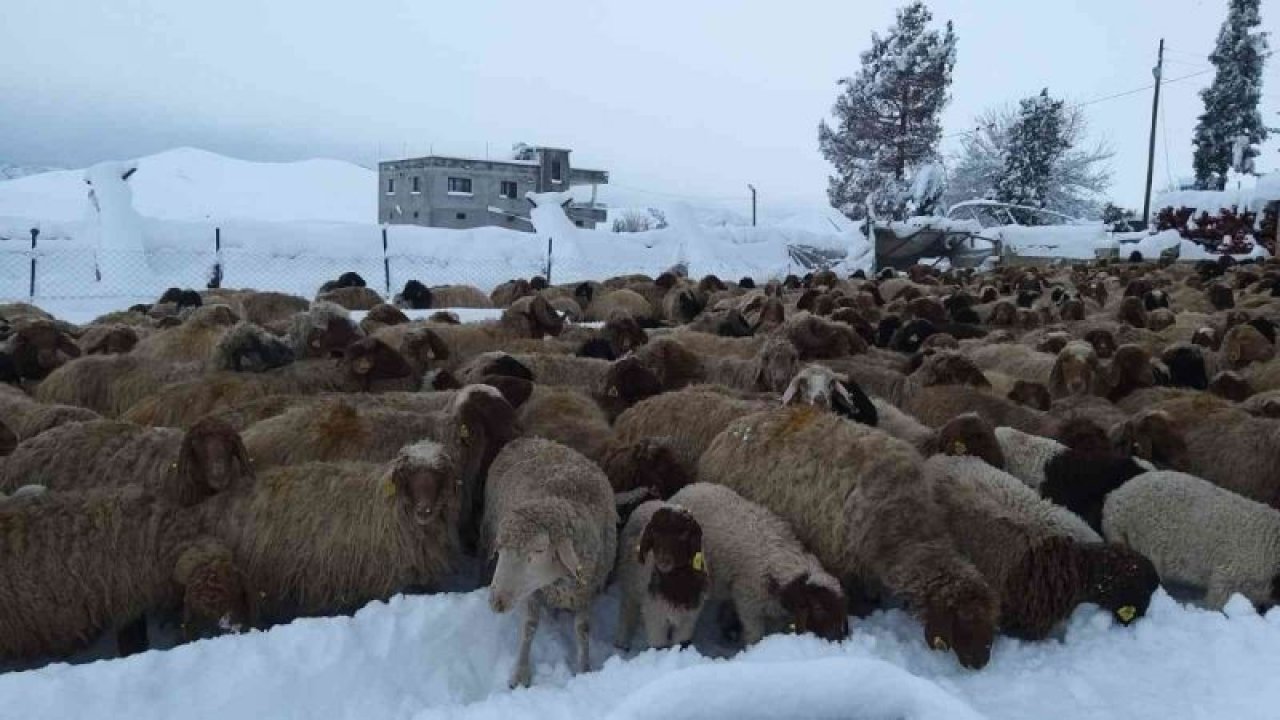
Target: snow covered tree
(888,120)
(1231,102)
(1037,140)
(1078,180)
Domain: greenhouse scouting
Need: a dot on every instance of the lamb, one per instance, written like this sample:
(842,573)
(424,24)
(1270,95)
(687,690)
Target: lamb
(859,500)
(757,565)
(550,520)
(1041,559)
(26,418)
(181,468)
(324,538)
(1199,534)
(662,575)
(107,556)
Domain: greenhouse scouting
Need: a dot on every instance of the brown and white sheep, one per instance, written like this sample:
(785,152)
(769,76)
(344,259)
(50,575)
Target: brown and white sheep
(662,575)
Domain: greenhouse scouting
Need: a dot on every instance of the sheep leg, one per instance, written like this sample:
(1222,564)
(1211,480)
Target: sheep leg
(523,675)
(582,629)
(1218,592)
(628,612)
(131,638)
(752,626)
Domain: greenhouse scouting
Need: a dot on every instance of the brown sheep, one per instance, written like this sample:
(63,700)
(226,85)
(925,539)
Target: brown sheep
(192,341)
(352,298)
(1103,342)
(530,317)
(181,468)
(649,466)
(325,538)
(1076,371)
(624,301)
(111,384)
(1130,369)
(1031,394)
(1244,345)
(40,347)
(459,296)
(858,499)
(818,338)
(183,403)
(1132,312)
(381,316)
(937,404)
(112,339)
(78,564)
(27,418)
(508,292)
(324,330)
(567,416)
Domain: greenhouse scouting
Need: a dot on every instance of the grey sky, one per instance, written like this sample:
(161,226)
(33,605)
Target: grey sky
(684,97)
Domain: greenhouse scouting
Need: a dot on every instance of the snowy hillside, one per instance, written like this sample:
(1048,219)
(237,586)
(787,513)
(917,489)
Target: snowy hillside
(190,184)
(448,656)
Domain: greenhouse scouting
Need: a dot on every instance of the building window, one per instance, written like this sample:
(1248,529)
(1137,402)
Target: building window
(391,186)
(460,216)
(415,214)
(578,223)
(556,172)
(511,218)
(508,189)
(417,185)
(459,186)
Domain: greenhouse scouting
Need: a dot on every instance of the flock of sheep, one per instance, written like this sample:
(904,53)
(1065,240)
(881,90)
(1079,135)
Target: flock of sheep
(988,451)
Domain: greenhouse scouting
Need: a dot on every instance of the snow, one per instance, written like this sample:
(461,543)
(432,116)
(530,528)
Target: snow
(448,656)
(1078,242)
(1247,196)
(115,228)
(292,226)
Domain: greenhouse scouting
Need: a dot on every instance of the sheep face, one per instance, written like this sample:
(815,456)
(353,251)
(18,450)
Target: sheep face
(628,381)
(1230,385)
(1072,310)
(778,362)
(212,459)
(259,351)
(912,335)
(543,319)
(964,623)
(624,334)
(1221,297)
(820,387)
(40,348)
(1244,345)
(648,463)
(529,565)
(970,435)
(1083,434)
(1152,436)
(216,599)
(1032,394)
(415,296)
(813,607)
(371,359)
(1075,372)
(425,477)
(331,338)
(118,340)
(733,324)
(1004,314)
(1130,370)
(674,539)
(1132,312)
(771,315)
(1186,366)
(426,347)
(1121,580)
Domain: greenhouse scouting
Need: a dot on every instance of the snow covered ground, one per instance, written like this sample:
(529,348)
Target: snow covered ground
(448,656)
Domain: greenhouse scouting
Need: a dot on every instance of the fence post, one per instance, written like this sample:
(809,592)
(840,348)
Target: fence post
(550,248)
(386,263)
(215,281)
(31,291)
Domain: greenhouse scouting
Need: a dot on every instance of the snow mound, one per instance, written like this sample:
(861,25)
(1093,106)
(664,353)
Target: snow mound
(191,184)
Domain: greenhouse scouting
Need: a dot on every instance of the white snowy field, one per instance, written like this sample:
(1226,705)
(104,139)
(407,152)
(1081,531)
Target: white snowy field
(448,656)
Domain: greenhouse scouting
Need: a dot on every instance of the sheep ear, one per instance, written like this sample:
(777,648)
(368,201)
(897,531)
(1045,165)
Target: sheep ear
(645,547)
(568,558)
(797,385)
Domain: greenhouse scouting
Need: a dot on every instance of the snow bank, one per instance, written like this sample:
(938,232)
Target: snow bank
(191,184)
(1077,242)
(1253,196)
(448,656)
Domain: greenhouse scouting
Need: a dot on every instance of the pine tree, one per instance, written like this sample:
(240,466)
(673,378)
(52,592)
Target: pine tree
(1037,141)
(1231,102)
(888,118)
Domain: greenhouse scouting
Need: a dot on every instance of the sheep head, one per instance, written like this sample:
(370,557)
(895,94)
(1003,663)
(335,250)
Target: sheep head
(1186,365)
(1085,435)
(1076,371)
(963,619)
(115,340)
(217,597)
(425,480)
(425,347)
(39,347)
(1244,344)
(776,363)
(1121,580)
(624,334)
(1152,436)
(911,336)
(211,460)
(812,606)
(1231,385)
(647,463)
(383,315)
(324,331)
(534,551)
(771,314)
(674,538)
(818,386)
(970,435)
(627,382)
(1031,394)
(946,367)
(415,296)
(514,390)
(1003,314)
(1221,297)
(543,319)
(486,422)
(370,359)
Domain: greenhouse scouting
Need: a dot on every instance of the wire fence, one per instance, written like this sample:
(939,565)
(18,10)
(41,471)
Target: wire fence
(70,271)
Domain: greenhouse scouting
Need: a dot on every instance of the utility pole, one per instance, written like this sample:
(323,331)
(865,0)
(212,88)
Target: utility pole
(753,204)
(1151,148)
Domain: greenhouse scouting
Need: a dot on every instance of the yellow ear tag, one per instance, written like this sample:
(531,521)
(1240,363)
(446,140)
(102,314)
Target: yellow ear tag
(464,431)
(389,488)
(1127,613)
(959,448)
(940,644)
(613,392)
(791,627)
(698,562)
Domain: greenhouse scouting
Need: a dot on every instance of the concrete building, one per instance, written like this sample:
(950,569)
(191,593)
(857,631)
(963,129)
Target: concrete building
(454,192)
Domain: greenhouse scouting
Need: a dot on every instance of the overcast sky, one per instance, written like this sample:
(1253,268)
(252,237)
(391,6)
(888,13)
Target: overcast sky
(682,97)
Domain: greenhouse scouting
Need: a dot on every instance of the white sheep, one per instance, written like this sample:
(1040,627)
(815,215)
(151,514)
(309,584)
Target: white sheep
(550,519)
(757,563)
(1199,534)
(662,575)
